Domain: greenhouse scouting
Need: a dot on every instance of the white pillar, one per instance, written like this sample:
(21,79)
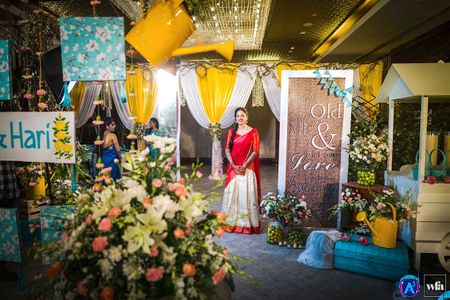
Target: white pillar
(390,134)
(423,137)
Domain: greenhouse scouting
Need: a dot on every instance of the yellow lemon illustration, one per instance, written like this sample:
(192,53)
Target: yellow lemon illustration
(67,148)
(60,135)
(60,125)
(59,146)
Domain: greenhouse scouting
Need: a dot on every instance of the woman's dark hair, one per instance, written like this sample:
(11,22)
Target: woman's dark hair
(155,120)
(108,121)
(236,125)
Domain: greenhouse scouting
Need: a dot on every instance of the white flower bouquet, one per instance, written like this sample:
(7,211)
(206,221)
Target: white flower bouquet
(144,236)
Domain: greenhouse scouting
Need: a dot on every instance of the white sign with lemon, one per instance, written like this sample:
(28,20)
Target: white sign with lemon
(37,136)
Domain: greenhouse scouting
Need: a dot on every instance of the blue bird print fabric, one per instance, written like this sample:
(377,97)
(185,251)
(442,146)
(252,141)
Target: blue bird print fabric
(5,71)
(9,235)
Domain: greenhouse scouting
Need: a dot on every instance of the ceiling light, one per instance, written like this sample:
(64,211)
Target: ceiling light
(303,32)
(307,24)
(290,51)
(292,48)
(314,15)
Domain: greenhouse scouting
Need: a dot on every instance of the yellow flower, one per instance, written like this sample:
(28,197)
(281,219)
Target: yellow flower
(59,146)
(67,148)
(60,125)
(60,135)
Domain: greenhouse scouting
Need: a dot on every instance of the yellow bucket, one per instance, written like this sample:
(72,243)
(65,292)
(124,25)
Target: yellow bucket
(37,191)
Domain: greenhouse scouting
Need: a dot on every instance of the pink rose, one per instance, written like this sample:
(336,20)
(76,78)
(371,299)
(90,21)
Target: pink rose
(154,274)
(64,236)
(105,225)
(147,201)
(157,182)
(153,252)
(379,206)
(82,289)
(345,237)
(182,180)
(179,233)
(41,92)
(198,174)
(42,105)
(89,220)
(106,170)
(171,186)
(114,212)
(99,243)
(226,252)
(363,241)
(107,180)
(219,276)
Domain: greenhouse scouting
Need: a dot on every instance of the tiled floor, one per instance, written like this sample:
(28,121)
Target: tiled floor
(275,272)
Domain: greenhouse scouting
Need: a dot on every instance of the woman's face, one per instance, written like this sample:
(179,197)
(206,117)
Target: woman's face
(241,117)
(111,127)
(152,125)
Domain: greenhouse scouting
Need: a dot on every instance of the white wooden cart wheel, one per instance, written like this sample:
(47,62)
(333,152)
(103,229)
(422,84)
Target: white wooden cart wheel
(444,252)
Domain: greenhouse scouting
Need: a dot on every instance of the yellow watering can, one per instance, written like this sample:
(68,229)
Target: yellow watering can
(166,27)
(384,230)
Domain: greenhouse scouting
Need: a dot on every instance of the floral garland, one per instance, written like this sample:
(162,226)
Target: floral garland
(215,130)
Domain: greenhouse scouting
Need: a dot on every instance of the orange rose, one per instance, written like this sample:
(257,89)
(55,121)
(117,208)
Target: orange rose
(55,269)
(107,293)
(189,270)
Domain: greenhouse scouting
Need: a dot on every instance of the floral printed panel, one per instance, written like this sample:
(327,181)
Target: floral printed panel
(5,71)
(93,48)
(9,235)
(52,221)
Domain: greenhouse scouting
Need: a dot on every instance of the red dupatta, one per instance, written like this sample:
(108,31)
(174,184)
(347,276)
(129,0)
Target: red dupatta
(243,147)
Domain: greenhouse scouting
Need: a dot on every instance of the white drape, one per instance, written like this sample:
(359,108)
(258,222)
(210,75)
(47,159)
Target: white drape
(243,86)
(272,90)
(87,104)
(122,108)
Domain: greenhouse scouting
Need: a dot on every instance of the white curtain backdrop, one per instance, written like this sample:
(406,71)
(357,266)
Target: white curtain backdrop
(242,89)
(272,90)
(87,105)
(122,108)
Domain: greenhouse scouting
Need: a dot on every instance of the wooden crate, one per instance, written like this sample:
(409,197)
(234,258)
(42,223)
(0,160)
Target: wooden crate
(29,209)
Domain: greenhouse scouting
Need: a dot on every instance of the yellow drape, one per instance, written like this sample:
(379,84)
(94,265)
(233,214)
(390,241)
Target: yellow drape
(370,76)
(293,66)
(215,89)
(77,95)
(142,91)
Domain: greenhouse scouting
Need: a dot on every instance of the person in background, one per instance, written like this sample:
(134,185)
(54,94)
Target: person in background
(242,186)
(9,197)
(111,149)
(153,130)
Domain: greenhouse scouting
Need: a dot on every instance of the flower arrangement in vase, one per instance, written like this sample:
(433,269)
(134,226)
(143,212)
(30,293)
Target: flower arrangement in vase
(147,235)
(368,153)
(289,210)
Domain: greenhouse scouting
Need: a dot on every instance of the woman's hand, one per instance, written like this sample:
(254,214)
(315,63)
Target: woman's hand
(240,170)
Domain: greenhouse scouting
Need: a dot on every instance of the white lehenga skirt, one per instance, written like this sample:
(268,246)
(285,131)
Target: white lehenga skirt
(240,203)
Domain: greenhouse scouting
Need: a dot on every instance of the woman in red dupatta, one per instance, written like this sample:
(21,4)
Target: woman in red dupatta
(242,187)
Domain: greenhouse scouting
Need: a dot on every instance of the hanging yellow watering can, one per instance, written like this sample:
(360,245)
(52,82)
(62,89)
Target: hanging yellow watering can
(165,28)
(384,230)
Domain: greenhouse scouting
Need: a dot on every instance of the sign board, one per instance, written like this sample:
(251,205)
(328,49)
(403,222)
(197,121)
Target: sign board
(314,126)
(92,48)
(5,71)
(37,136)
